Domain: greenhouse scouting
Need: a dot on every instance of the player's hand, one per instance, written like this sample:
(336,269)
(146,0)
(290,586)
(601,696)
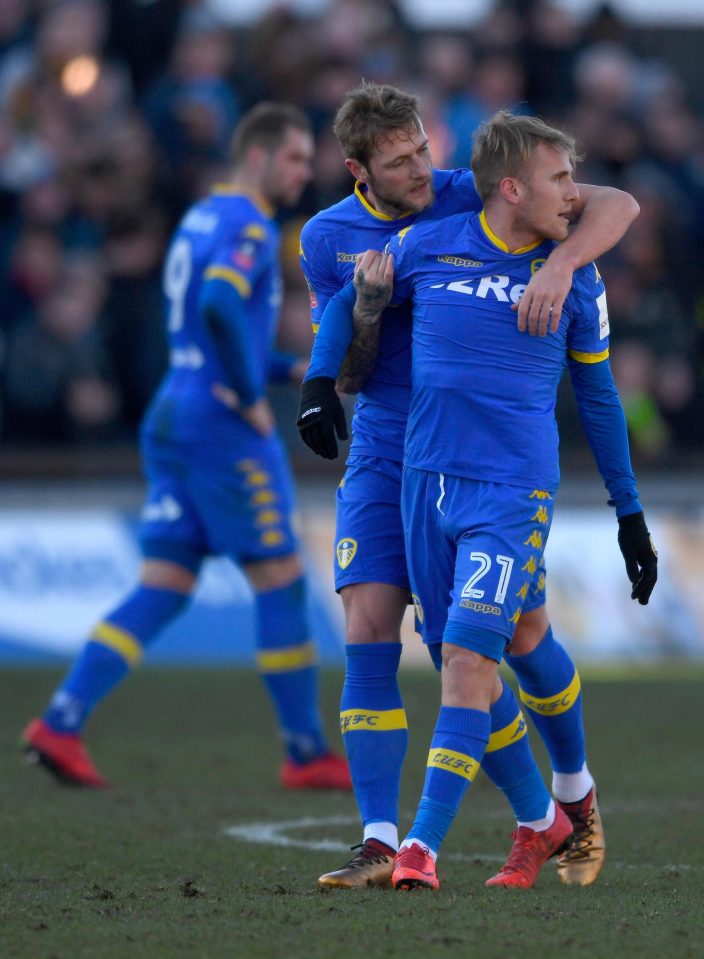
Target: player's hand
(227,396)
(540,307)
(321,416)
(640,555)
(374,283)
(260,416)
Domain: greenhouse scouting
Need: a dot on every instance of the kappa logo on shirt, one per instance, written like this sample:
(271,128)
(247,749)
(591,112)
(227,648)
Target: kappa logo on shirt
(458,260)
(346,551)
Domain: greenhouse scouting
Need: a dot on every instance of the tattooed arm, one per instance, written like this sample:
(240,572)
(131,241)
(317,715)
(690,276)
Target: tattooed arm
(373,281)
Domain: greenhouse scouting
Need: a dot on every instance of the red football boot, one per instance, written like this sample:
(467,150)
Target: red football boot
(63,754)
(531,850)
(414,868)
(328,771)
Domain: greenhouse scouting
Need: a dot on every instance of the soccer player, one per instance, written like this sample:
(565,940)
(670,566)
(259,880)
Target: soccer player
(481,454)
(387,152)
(218,479)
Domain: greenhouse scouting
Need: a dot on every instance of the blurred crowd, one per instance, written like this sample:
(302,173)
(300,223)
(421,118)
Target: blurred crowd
(116,114)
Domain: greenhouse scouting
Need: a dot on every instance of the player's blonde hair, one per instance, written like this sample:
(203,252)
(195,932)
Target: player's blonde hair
(369,114)
(506,142)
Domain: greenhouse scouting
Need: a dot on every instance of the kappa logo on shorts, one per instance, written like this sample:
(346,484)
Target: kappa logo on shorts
(346,551)
(418,606)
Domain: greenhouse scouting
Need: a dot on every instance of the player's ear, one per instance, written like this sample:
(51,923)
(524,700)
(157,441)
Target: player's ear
(357,169)
(510,189)
(255,156)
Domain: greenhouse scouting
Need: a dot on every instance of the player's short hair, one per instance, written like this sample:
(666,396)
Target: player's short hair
(506,142)
(369,114)
(265,125)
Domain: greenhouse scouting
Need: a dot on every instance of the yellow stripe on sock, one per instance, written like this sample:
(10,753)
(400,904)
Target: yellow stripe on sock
(120,641)
(509,734)
(372,720)
(281,660)
(453,762)
(556,704)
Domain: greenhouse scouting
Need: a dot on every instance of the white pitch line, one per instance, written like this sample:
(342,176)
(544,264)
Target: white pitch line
(274,834)
(271,833)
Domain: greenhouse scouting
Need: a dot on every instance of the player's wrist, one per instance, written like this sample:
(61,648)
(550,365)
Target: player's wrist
(366,316)
(565,257)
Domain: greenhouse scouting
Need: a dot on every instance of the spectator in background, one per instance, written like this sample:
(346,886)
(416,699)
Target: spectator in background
(134,251)
(112,107)
(192,108)
(58,385)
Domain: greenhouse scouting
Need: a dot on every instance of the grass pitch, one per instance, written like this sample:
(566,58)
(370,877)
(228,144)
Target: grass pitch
(147,869)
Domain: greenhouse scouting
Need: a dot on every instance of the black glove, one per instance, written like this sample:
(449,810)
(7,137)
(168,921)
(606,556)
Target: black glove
(640,555)
(320,416)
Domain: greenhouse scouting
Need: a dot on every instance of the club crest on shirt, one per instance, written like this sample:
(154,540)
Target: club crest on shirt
(346,551)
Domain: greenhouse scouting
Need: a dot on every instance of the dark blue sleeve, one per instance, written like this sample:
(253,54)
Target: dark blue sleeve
(334,335)
(225,314)
(604,423)
(280,365)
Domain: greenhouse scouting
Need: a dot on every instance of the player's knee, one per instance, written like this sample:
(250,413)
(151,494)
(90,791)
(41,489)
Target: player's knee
(467,661)
(468,677)
(275,573)
(530,629)
(373,615)
(163,574)
(367,625)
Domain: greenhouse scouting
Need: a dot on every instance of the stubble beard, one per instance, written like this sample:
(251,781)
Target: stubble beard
(403,205)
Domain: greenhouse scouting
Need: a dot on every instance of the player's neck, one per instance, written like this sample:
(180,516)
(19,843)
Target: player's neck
(506,230)
(242,182)
(392,212)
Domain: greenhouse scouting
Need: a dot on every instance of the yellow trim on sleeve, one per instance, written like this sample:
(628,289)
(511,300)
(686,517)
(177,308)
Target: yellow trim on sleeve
(282,660)
(236,279)
(589,357)
(372,720)
(119,641)
(508,735)
(452,762)
(556,704)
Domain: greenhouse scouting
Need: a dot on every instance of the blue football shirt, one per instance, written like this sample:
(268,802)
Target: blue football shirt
(227,237)
(483,394)
(330,243)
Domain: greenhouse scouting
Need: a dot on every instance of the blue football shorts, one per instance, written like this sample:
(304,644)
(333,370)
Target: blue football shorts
(475,557)
(209,501)
(369,542)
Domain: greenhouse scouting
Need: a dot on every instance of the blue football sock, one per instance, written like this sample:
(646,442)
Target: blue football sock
(374,728)
(551,690)
(286,659)
(456,753)
(509,761)
(116,645)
